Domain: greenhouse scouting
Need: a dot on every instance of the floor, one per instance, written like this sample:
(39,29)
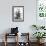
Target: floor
(13,44)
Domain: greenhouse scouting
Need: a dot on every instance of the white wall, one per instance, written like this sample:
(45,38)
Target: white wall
(6,15)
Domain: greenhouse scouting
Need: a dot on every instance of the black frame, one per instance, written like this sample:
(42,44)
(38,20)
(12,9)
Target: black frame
(13,13)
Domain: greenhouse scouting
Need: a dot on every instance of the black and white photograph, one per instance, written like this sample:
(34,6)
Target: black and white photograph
(17,13)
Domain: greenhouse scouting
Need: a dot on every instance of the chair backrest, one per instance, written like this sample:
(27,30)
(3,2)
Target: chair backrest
(14,30)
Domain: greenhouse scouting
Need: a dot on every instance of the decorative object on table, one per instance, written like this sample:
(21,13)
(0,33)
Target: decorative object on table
(17,13)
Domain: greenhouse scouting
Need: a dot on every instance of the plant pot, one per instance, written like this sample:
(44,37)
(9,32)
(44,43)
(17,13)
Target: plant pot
(40,41)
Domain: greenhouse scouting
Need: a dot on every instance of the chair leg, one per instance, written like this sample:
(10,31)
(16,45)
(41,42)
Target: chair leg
(5,40)
(5,43)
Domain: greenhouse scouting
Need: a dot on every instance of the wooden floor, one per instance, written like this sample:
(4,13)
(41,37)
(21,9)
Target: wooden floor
(13,44)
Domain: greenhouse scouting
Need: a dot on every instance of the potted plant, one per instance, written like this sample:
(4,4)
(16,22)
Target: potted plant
(39,35)
(34,26)
(42,27)
(38,27)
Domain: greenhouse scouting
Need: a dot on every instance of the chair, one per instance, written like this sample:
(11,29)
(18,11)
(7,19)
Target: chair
(7,35)
(14,32)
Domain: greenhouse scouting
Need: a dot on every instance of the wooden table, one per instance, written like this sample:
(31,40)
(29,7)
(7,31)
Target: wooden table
(27,37)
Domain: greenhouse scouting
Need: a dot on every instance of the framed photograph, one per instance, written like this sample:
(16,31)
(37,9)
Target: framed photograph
(17,13)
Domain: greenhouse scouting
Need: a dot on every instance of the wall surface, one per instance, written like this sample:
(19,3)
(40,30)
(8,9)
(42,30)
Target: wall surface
(6,15)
